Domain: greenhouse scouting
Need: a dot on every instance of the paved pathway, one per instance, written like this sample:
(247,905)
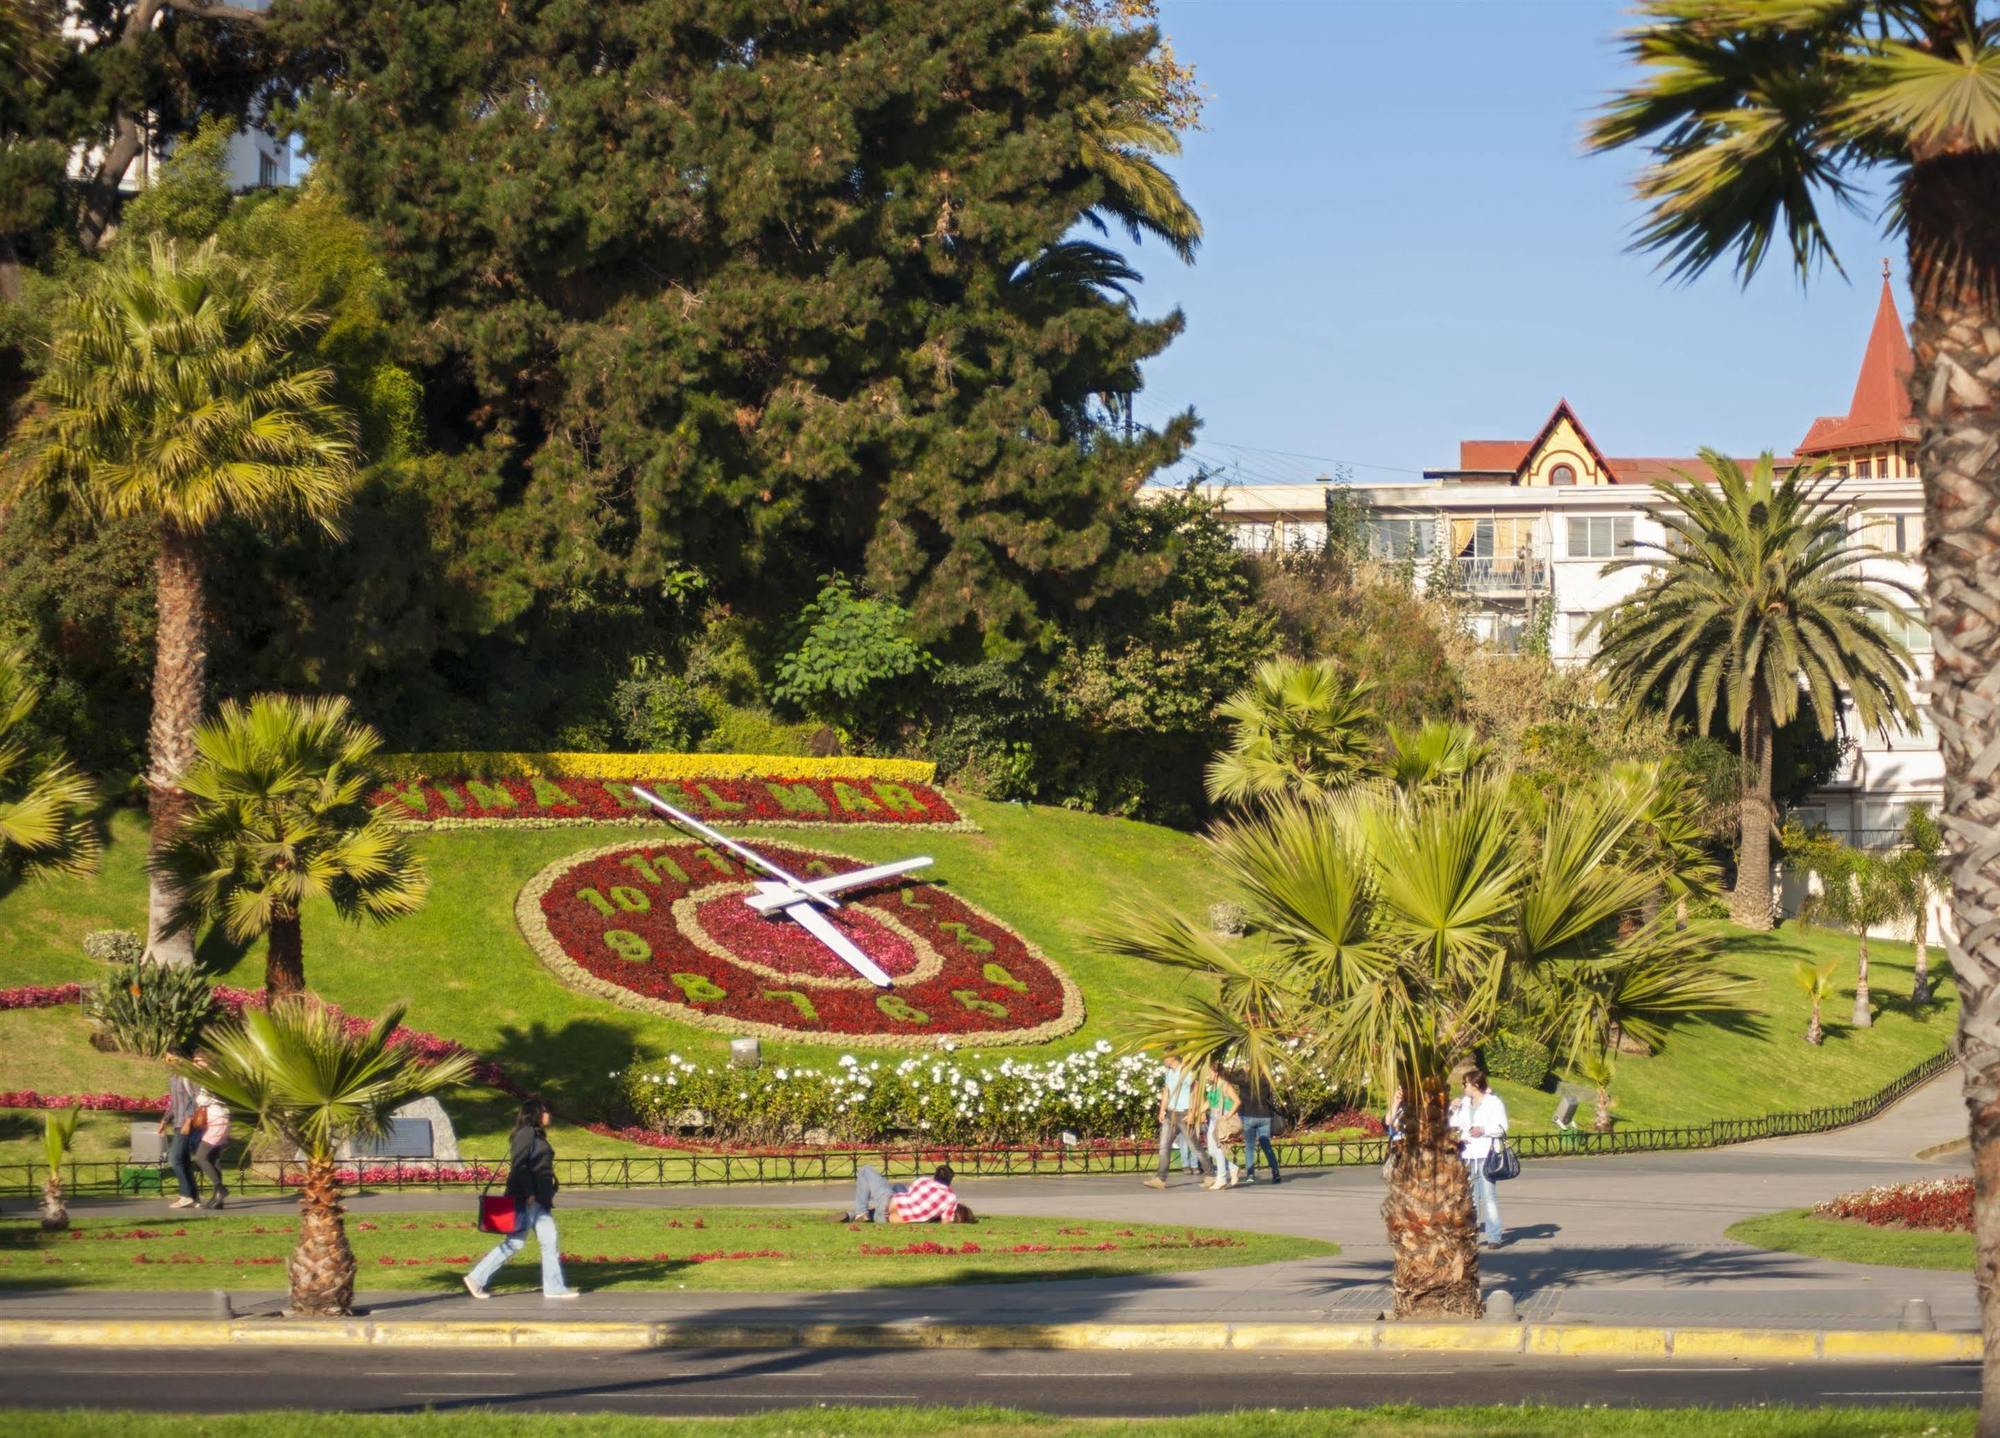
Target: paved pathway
(1630,1239)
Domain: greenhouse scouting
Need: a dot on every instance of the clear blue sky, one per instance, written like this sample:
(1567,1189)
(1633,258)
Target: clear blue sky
(1406,246)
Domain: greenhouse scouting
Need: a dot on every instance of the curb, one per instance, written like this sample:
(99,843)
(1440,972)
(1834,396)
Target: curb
(1542,1340)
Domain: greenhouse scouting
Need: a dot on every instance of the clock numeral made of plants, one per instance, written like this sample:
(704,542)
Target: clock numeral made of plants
(663,927)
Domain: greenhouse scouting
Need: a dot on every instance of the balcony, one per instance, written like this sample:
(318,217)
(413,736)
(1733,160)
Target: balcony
(1503,576)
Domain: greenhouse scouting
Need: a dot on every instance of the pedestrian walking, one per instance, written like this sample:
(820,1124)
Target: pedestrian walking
(531,1179)
(211,1132)
(1219,1103)
(1257,1113)
(1177,1116)
(1481,1118)
(177,1130)
(927,1200)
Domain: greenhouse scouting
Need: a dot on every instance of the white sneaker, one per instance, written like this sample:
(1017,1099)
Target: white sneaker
(183,1202)
(474,1289)
(566,1293)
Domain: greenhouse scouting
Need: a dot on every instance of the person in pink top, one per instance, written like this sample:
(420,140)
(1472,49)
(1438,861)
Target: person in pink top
(214,1116)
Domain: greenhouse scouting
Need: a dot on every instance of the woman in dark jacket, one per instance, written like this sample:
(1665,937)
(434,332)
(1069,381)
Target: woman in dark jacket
(531,1179)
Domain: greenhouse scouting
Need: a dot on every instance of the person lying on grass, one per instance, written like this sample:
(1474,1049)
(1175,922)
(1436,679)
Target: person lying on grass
(928,1200)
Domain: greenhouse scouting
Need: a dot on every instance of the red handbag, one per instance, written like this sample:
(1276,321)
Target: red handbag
(500,1214)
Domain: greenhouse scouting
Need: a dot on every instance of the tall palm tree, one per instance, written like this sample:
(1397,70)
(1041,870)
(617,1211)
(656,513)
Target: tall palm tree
(309,1085)
(1395,929)
(45,804)
(1755,114)
(1754,603)
(1300,728)
(1121,139)
(180,388)
(281,816)
(1922,857)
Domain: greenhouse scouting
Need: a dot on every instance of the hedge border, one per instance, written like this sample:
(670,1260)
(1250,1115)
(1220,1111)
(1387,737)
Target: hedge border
(502,764)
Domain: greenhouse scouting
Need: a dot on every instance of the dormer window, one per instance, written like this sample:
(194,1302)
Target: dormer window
(1562,474)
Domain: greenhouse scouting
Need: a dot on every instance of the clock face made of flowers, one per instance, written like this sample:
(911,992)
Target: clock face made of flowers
(662,927)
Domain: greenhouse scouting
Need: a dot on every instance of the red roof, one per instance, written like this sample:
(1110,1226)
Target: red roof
(1880,410)
(1493,454)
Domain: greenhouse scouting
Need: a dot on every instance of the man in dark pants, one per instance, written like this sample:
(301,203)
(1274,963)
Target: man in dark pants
(180,1143)
(1254,1108)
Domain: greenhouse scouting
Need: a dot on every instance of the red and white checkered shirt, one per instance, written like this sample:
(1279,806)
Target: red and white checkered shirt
(924,1201)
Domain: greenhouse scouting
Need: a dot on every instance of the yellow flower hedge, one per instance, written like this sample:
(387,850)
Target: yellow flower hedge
(477,764)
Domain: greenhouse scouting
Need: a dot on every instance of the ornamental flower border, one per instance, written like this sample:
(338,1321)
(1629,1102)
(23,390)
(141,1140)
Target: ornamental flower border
(494,764)
(533,924)
(459,800)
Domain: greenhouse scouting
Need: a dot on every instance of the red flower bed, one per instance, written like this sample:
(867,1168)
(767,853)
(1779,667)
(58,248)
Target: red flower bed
(90,1102)
(449,802)
(662,927)
(1942,1205)
(42,996)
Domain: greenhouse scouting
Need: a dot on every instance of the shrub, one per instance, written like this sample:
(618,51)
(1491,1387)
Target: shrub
(152,1009)
(663,714)
(114,946)
(1520,1058)
(852,661)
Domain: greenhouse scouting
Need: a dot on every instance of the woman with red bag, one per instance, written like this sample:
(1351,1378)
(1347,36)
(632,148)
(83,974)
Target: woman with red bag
(531,1183)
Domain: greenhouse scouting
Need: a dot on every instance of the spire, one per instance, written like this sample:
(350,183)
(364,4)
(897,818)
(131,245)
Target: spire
(1880,409)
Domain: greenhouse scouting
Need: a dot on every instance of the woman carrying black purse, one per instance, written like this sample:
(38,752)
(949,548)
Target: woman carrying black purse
(531,1180)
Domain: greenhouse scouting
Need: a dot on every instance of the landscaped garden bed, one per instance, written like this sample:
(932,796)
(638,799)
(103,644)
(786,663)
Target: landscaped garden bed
(1926,1224)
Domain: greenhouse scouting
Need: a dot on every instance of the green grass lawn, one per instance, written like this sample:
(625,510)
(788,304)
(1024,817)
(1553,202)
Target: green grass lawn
(682,1248)
(1053,874)
(1797,1231)
(1525,1421)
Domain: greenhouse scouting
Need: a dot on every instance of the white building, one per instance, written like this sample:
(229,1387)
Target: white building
(1528,525)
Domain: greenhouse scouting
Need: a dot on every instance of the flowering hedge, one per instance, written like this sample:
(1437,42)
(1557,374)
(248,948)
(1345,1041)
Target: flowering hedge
(479,764)
(1941,1204)
(663,928)
(89,1102)
(846,800)
(42,996)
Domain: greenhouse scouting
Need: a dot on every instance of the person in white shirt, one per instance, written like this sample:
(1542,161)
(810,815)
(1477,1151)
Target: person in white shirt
(1481,1118)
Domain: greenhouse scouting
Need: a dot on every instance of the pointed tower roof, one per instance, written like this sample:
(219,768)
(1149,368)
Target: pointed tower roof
(1880,410)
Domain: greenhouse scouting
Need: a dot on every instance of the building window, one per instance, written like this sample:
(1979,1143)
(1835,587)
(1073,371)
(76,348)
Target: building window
(1864,469)
(1893,533)
(1562,474)
(1400,538)
(1599,536)
(267,171)
(1913,629)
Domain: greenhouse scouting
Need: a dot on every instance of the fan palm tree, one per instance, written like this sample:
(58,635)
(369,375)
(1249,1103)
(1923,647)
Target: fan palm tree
(309,1085)
(1754,604)
(58,1131)
(1922,857)
(1600,1070)
(1670,837)
(1757,113)
(1859,891)
(45,804)
(282,816)
(1437,752)
(180,388)
(1300,728)
(1817,983)
(1395,927)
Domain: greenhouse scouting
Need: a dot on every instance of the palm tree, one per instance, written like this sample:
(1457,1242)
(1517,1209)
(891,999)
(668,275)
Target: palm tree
(179,387)
(1120,141)
(1860,891)
(57,1132)
(1394,928)
(1600,1070)
(45,804)
(1755,113)
(1922,857)
(1300,728)
(309,1085)
(1437,752)
(1753,603)
(282,816)
(1670,837)
(1818,986)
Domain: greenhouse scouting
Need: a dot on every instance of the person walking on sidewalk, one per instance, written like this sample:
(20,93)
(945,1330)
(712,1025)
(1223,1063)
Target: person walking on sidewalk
(178,1128)
(531,1180)
(1255,1109)
(211,1130)
(1481,1118)
(1177,1116)
(1219,1102)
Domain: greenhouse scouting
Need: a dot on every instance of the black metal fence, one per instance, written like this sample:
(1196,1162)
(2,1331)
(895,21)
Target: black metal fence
(674,1170)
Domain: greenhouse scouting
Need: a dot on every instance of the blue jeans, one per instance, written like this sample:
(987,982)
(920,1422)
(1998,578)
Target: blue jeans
(1485,1202)
(872,1193)
(180,1156)
(1256,1134)
(544,1224)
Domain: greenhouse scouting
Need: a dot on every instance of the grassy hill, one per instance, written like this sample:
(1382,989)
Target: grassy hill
(1052,874)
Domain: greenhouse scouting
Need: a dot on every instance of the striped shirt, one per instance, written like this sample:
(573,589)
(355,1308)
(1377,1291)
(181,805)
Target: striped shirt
(925,1201)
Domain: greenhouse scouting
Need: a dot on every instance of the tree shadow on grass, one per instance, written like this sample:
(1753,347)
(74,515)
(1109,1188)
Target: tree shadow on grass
(569,1067)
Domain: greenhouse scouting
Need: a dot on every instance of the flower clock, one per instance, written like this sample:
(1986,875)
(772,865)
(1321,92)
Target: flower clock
(663,927)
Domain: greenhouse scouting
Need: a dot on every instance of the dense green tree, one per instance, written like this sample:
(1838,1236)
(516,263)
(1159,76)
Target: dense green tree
(1755,608)
(736,288)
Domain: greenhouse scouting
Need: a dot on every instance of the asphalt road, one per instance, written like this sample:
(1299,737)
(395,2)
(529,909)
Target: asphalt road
(708,1382)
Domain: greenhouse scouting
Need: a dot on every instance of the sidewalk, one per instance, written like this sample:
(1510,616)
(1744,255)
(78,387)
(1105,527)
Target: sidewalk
(1635,1240)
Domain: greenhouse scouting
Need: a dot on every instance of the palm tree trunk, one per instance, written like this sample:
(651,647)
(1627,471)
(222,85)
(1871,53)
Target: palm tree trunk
(322,1266)
(1957,342)
(1750,901)
(1920,935)
(1681,912)
(55,1214)
(1815,1035)
(1602,1120)
(285,957)
(1429,1216)
(180,662)
(1863,1018)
